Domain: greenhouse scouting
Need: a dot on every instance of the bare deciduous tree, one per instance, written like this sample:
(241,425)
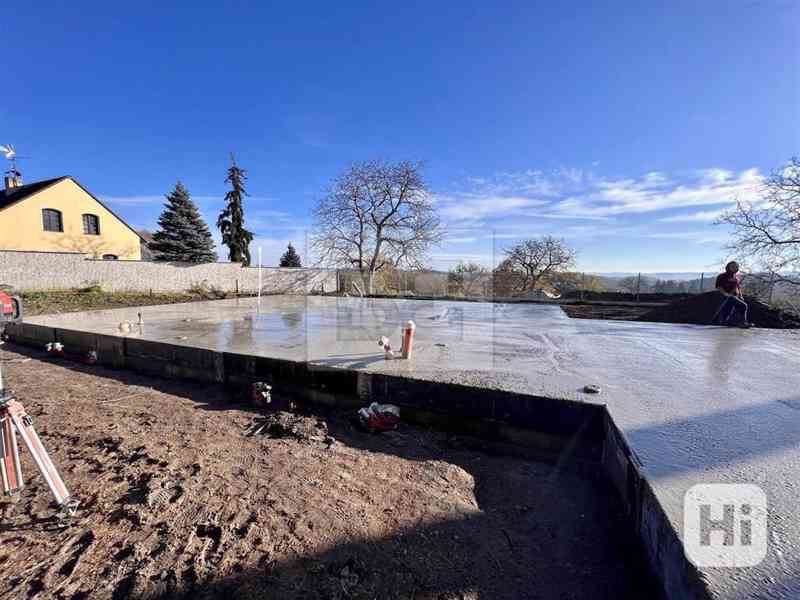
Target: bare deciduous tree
(537,258)
(376,215)
(767,233)
(628,284)
(467,277)
(566,281)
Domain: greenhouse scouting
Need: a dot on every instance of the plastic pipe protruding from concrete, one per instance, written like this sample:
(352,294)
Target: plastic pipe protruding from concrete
(408,339)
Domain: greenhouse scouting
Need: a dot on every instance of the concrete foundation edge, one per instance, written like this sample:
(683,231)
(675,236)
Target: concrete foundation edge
(550,425)
(660,540)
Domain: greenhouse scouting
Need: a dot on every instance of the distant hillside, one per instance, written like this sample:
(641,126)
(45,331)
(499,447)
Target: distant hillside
(680,276)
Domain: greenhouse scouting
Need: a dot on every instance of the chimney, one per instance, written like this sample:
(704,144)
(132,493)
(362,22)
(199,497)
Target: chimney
(13,180)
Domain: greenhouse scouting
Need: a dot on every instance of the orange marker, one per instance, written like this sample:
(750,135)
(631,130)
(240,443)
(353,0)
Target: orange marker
(408,339)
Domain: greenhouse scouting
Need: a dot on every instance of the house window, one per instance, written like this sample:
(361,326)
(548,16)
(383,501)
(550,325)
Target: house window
(109,257)
(91,225)
(51,219)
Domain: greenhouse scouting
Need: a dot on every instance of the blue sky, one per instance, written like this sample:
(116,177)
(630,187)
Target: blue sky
(624,127)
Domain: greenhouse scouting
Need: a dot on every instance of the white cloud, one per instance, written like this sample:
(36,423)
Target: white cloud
(465,207)
(577,194)
(651,194)
(699,237)
(446,260)
(716,176)
(461,240)
(268,213)
(702,216)
(504,236)
(655,178)
(533,182)
(550,215)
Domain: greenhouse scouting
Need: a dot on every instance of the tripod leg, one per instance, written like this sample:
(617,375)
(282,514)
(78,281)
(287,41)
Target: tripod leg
(24,426)
(9,458)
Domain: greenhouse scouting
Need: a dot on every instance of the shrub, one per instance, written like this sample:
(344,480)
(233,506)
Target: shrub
(207,291)
(92,288)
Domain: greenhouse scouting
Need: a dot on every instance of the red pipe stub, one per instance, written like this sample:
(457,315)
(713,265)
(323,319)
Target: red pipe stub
(408,339)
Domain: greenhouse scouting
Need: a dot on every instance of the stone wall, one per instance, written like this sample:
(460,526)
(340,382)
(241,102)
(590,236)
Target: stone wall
(32,271)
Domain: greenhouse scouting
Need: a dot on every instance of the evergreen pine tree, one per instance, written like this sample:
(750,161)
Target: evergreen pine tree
(290,258)
(183,236)
(231,219)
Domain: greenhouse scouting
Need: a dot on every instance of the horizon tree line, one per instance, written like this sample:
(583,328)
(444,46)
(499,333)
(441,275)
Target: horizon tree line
(380,216)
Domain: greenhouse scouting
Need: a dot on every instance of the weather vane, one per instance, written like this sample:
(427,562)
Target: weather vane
(11,154)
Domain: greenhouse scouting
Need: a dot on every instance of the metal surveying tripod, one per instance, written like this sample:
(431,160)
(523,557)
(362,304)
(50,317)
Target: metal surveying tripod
(14,420)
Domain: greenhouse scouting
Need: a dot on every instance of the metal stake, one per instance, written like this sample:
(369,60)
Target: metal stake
(259,278)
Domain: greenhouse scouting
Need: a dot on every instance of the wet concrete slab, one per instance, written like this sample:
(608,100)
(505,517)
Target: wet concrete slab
(694,404)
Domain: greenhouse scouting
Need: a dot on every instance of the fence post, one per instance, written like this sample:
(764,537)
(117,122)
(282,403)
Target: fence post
(638,286)
(259,277)
(771,287)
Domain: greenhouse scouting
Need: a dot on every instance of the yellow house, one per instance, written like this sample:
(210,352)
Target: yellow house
(59,215)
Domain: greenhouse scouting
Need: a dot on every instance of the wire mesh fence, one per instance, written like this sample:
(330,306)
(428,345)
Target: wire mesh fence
(499,285)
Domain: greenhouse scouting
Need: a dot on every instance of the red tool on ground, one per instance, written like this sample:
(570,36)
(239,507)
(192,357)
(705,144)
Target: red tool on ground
(15,421)
(10,308)
(379,417)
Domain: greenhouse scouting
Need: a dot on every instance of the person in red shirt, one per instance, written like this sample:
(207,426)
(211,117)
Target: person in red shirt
(733,310)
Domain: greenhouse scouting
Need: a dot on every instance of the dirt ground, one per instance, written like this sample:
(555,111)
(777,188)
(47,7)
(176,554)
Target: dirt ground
(624,297)
(703,308)
(179,501)
(620,312)
(44,303)
(698,309)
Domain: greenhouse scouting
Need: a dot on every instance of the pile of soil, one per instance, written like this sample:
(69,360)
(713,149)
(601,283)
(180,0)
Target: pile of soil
(45,303)
(614,312)
(623,296)
(700,309)
(181,498)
